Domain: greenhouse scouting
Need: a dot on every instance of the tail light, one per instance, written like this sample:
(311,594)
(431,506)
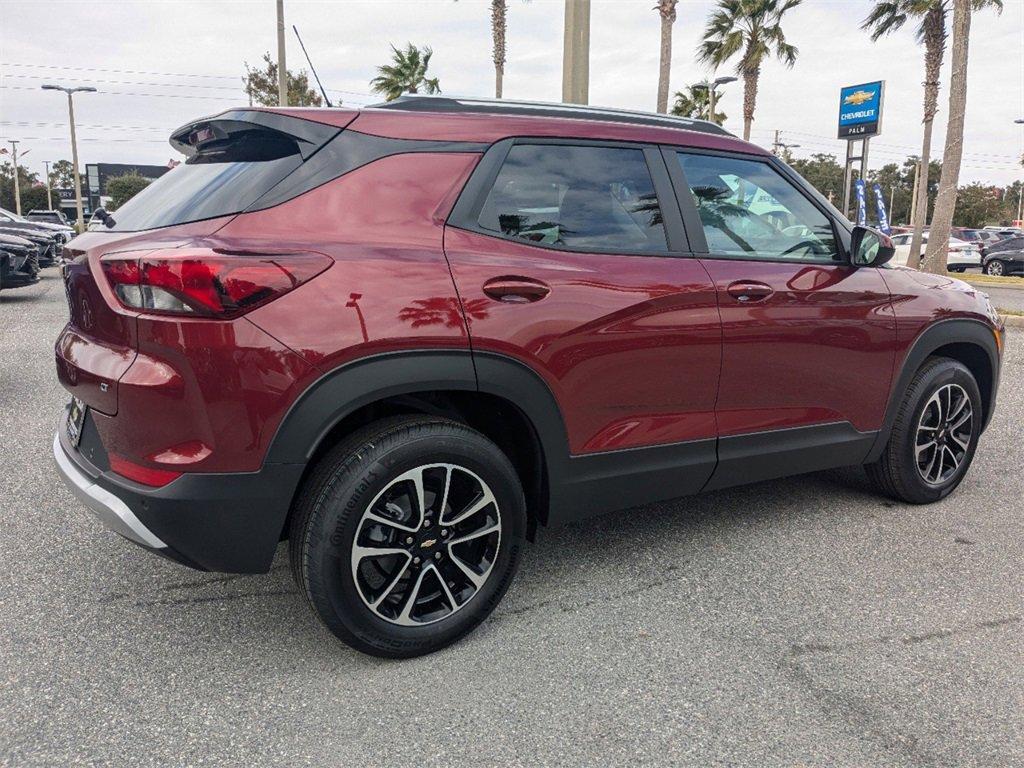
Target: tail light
(201,282)
(156,478)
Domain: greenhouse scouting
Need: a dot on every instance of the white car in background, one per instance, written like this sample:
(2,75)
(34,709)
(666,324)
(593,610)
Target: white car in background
(960,257)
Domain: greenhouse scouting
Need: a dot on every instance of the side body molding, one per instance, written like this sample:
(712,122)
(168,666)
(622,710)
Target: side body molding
(952,331)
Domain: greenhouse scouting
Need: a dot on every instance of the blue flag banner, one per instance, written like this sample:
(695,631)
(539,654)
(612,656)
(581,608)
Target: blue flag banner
(862,203)
(883,216)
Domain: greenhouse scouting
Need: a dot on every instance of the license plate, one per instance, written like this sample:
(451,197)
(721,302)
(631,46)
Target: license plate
(76,418)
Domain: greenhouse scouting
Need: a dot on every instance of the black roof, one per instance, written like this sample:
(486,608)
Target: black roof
(548,109)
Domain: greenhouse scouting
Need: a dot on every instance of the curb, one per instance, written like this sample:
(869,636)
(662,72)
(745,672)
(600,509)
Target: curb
(1013,321)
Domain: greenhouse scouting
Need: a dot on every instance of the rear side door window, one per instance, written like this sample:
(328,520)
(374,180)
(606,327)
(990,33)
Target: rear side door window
(583,198)
(748,209)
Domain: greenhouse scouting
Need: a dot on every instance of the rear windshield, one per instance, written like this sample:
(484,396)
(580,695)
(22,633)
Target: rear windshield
(229,171)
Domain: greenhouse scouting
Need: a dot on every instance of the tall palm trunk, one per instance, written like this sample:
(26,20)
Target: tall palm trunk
(935,47)
(945,204)
(749,99)
(667,9)
(499,23)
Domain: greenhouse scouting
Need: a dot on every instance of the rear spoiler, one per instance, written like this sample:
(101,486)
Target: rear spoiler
(309,135)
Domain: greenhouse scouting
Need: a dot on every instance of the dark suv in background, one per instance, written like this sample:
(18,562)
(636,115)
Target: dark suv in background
(406,338)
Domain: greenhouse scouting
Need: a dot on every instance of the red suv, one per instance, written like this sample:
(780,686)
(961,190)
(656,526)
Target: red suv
(404,338)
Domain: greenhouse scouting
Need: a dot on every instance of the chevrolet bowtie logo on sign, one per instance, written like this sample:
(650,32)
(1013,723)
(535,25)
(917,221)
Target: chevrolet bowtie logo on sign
(859,97)
(860,110)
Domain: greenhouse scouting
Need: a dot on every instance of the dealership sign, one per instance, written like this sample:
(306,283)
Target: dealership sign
(860,110)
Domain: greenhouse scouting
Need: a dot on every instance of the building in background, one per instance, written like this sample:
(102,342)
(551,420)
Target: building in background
(97,175)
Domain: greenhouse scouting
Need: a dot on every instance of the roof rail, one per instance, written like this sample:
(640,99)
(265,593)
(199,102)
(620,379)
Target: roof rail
(417,103)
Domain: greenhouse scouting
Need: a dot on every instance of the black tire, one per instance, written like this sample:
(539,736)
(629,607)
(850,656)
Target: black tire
(896,473)
(995,267)
(329,514)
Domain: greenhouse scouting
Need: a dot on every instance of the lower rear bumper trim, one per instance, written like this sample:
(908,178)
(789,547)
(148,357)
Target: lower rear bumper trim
(111,510)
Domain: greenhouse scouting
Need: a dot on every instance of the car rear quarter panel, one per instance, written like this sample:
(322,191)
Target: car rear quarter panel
(389,288)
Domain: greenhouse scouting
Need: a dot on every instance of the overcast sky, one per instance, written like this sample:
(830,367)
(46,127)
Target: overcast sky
(158,64)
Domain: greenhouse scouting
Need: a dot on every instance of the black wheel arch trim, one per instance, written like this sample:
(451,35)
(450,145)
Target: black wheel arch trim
(931,339)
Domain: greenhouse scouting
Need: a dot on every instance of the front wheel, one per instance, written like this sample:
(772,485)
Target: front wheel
(934,436)
(407,535)
(995,268)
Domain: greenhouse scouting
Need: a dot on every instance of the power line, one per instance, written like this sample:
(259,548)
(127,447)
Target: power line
(117,71)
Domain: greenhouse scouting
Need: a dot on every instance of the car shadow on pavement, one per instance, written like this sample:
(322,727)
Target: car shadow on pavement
(554,571)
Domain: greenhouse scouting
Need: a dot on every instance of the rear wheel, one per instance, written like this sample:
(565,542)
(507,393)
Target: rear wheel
(934,436)
(407,535)
(996,268)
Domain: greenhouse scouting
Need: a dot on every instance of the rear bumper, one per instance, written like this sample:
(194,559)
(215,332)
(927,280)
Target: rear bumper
(230,523)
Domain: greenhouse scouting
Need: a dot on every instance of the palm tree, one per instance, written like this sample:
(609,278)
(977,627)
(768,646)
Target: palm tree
(887,17)
(696,103)
(667,10)
(499,26)
(753,27)
(945,203)
(406,74)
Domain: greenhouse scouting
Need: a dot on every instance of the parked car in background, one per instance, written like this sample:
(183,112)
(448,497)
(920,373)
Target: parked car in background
(19,262)
(1005,233)
(979,237)
(50,237)
(515,316)
(1005,257)
(49,217)
(960,257)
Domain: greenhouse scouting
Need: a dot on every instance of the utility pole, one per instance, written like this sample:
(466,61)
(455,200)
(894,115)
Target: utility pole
(17,188)
(778,145)
(74,144)
(49,200)
(282,71)
(576,53)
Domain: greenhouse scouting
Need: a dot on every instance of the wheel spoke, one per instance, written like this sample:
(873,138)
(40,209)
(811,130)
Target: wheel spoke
(920,448)
(475,535)
(359,552)
(444,494)
(410,602)
(472,575)
(962,420)
(946,449)
(390,585)
(373,516)
(444,588)
(421,504)
(472,509)
(931,466)
(962,443)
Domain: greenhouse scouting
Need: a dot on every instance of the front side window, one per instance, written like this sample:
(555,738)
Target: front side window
(583,198)
(748,209)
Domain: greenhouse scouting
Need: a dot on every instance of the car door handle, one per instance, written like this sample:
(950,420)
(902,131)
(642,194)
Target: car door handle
(749,290)
(516,290)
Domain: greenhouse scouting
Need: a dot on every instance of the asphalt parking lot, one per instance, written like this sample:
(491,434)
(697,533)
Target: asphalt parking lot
(804,622)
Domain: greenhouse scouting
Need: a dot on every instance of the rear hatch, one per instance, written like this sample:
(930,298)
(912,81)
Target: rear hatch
(234,162)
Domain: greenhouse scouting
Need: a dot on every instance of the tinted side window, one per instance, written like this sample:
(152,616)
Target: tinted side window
(748,209)
(584,198)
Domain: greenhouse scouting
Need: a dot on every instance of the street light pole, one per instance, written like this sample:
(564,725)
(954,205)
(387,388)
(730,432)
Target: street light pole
(711,87)
(49,199)
(74,144)
(282,71)
(17,188)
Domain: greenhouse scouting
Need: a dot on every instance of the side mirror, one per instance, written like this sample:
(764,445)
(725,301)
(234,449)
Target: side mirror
(101,215)
(870,248)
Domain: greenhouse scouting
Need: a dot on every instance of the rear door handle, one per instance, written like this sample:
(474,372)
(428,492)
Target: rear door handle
(516,290)
(749,290)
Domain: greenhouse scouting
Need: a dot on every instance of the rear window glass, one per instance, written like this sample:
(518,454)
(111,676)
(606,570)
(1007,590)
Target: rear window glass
(223,178)
(583,198)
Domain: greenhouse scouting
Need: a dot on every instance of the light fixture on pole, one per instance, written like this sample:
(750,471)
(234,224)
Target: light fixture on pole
(710,87)
(74,143)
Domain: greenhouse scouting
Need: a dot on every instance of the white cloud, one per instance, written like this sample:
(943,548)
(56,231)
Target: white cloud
(146,40)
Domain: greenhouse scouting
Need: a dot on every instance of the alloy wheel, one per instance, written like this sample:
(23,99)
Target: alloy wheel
(426,544)
(994,267)
(944,433)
